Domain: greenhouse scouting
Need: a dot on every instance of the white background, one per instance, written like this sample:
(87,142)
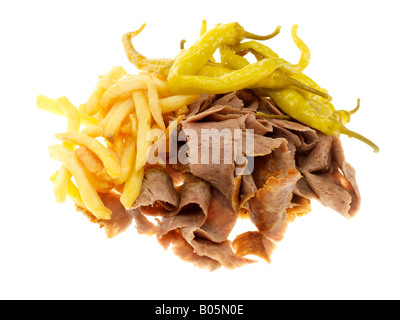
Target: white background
(57,48)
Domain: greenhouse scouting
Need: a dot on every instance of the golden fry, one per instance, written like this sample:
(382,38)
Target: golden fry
(132,188)
(154,103)
(88,193)
(93,164)
(93,131)
(125,86)
(144,126)
(73,191)
(110,78)
(173,103)
(134,125)
(182,111)
(99,184)
(110,162)
(126,127)
(89,160)
(50,105)
(118,145)
(71,113)
(119,113)
(61,184)
(93,103)
(127,160)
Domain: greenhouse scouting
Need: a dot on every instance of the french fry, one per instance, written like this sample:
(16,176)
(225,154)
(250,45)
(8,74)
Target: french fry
(85,119)
(125,86)
(89,195)
(132,187)
(118,145)
(93,103)
(73,191)
(182,111)
(173,103)
(110,162)
(110,78)
(144,126)
(99,184)
(93,164)
(134,125)
(154,104)
(119,113)
(126,127)
(50,105)
(89,160)
(93,131)
(61,183)
(155,134)
(71,113)
(127,160)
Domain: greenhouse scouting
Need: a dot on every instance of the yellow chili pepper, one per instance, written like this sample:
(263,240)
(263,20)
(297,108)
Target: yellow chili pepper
(294,104)
(161,66)
(266,52)
(276,80)
(246,77)
(322,106)
(183,76)
(195,57)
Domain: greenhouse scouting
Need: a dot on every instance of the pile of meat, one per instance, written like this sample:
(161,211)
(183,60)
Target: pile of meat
(196,205)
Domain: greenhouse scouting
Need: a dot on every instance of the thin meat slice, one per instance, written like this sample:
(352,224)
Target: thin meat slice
(349,183)
(303,189)
(248,189)
(120,219)
(319,159)
(308,136)
(203,103)
(192,210)
(329,178)
(259,128)
(268,206)
(181,248)
(218,171)
(230,99)
(254,243)
(329,193)
(300,206)
(206,113)
(221,218)
(268,106)
(219,251)
(260,145)
(158,195)
(143,225)
(203,242)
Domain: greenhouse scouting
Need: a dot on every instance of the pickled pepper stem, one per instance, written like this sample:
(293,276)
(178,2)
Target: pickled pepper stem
(273,116)
(300,85)
(352,134)
(182,44)
(356,108)
(253,36)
